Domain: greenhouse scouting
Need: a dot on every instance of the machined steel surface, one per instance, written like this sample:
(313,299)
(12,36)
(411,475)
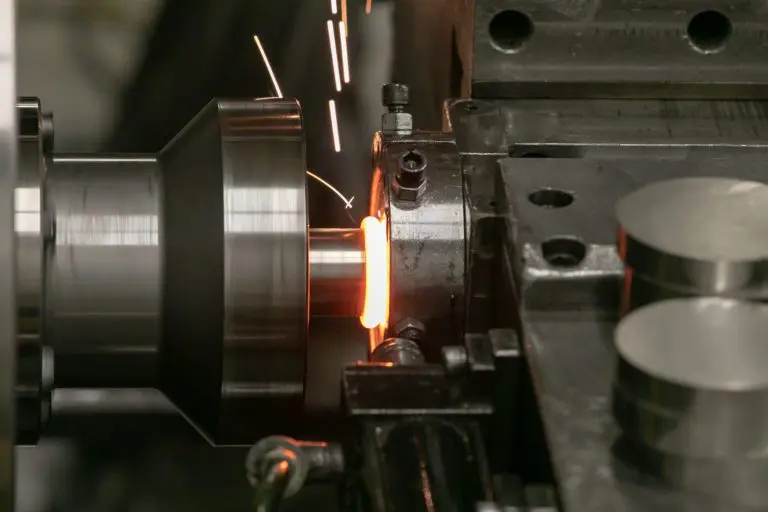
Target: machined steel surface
(427,239)
(706,234)
(691,377)
(609,128)
(104,279)
(32,234)
(584,230)
(235,267)
(572,363)
(337,271)
(614,48)
(8,311)
(30,223)
(569,297)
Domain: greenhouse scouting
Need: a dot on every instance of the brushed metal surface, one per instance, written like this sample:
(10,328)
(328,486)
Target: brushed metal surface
(104,276)
(235,267)
(8,178)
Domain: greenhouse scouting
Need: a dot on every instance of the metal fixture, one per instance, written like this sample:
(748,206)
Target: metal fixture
(455,358)
(410,181)
(399,351)
(277,467)
(396,121)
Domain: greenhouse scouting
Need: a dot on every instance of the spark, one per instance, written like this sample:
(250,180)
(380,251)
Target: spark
(334,55)
(344,55)
(269,67)
(335,6)
(347,202)
(334,125)
(368,6)
(344,11)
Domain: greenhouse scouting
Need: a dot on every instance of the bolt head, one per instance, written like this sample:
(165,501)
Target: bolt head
(395,95)
(411,329)
(411,168)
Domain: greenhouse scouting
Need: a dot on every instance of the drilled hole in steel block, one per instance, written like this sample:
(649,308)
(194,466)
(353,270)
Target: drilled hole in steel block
(510,30)
(709,31)
(564,252)
(551,198)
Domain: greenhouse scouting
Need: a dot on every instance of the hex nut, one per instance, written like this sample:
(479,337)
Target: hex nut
(400,123)
(408,193)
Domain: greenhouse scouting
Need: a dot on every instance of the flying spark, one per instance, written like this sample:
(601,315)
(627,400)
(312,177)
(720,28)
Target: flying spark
(347,202)
(344,55)
(269,67)
(335,6)
(368,6)
(334,125)
(334,55)
(344,11)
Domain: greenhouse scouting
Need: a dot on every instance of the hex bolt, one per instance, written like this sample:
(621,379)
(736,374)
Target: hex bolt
(410,328)
(411,169)
(455,358)
(395,96)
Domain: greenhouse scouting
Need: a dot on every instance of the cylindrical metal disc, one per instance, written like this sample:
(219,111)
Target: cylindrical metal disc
(710,344)
(235,268)
(707,233)
(691,377)
(732,430)
(738,480)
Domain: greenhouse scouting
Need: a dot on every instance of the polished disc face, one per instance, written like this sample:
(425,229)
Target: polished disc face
(707,343)
(708,219)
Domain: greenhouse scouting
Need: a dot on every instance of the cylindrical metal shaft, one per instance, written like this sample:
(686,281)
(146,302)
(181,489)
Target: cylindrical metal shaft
(104,290)
(336,272)
(104,279)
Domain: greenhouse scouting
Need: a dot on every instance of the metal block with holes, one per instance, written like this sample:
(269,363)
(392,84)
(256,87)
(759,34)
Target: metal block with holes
(561,226)
(615,48)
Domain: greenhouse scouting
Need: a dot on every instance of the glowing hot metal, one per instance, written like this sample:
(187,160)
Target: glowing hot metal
(376,306)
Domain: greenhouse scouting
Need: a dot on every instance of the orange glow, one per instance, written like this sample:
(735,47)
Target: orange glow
(376,306)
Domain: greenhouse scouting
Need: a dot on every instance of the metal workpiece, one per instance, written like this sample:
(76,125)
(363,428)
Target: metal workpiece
(235,267)
(726,483)
(397,351)
(691,380)
(427,240)
(631,49)
(337,271)
(705,234)
(103,270)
